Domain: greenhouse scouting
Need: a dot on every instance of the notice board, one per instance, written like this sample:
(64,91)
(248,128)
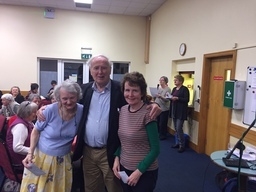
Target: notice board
(250,97)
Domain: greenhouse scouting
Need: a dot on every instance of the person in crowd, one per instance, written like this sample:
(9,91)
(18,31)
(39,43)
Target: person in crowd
(33,90)
(15,91)
(53,84)
(179,109)
(138,134)
(10,106)
(97,138)
(51,140)
(34,97)
(52,98)
(162,98)
(18,133)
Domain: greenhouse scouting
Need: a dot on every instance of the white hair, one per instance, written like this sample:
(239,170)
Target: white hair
(8,97)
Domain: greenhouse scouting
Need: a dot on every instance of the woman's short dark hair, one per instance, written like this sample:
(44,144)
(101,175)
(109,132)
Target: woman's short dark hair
(34,86)
(179,77)
(53,82)
(15,87)
(136,79)
(26,108)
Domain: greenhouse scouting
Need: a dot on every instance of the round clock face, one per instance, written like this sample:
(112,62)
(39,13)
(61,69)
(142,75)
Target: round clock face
(182,49)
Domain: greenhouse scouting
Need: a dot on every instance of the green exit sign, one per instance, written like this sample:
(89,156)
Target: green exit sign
(86,56)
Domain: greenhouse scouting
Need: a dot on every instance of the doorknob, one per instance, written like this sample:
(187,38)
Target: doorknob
(199,91)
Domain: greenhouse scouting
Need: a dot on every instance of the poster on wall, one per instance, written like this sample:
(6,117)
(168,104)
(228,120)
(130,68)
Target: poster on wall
(250,97)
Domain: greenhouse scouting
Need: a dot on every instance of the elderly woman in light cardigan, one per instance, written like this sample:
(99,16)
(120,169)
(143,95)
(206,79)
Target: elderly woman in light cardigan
(9,107)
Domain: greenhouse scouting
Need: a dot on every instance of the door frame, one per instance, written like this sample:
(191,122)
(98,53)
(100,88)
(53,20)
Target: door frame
(205,93)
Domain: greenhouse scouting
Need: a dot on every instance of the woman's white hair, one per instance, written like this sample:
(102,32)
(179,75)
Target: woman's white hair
(8,97)
(70,87)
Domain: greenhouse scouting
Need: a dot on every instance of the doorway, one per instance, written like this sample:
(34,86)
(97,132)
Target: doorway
(73,71)
(76,70)
(189,83)
(60,70)
(215,119)
(47,73)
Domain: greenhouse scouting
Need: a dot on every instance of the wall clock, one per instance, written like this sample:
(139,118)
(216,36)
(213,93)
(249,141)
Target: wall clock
(182,49)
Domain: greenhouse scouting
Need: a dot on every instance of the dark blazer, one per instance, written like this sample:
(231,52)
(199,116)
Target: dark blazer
(116,102)
(179,108)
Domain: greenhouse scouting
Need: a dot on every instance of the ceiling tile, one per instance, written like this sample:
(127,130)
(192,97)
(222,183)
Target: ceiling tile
(125,7)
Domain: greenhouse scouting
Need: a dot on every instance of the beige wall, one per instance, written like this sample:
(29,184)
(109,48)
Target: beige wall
(206,27)
(26,35)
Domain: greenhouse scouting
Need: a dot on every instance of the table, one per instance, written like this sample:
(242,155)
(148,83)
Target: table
(244,173)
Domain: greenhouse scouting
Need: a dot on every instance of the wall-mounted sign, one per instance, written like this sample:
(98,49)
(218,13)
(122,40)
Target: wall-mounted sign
(218,78)
(86,56)
(86,53)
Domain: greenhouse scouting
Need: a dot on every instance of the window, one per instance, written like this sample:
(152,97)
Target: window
(119,69)
(77,70)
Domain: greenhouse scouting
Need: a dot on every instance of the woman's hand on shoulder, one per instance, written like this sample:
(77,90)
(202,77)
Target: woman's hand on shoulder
(155,110)
(40,115)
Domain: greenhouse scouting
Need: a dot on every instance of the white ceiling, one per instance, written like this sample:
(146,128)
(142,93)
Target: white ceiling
(122,7)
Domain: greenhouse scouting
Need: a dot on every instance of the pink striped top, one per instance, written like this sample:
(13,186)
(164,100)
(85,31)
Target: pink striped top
(132,132)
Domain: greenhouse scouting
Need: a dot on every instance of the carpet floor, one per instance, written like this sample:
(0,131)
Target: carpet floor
(185,172)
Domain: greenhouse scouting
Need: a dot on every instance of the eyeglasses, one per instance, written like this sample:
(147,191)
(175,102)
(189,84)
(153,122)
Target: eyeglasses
(27,104)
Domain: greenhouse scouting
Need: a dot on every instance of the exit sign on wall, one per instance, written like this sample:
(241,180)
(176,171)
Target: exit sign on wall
(86,56)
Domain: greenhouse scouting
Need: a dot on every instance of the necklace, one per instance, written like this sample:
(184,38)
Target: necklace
(66,115)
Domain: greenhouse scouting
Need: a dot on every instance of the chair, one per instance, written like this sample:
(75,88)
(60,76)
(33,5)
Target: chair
(5,163)
(11,120)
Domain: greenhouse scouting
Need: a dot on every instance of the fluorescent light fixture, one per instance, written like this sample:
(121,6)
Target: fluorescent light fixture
(83,1)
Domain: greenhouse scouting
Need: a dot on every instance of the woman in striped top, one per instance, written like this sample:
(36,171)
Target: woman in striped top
(138,134)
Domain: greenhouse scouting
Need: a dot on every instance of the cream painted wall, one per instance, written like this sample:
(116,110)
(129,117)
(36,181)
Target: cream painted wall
(206,27)
(26,35)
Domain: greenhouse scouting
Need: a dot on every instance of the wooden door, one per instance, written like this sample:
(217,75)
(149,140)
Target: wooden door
(214,119)
(218,116)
